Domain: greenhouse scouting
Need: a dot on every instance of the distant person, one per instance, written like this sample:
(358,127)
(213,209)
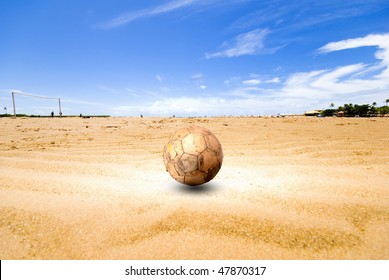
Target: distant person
(52,114)
(141,115)
(80,115)
(60,114)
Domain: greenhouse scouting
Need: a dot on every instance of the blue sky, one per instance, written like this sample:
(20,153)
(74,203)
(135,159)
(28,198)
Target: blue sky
(193,57)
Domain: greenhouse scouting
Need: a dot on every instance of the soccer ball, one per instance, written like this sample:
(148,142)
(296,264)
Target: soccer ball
(193,155)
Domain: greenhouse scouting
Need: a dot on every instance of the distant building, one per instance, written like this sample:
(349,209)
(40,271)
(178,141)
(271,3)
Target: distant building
(313,113)
(340,114)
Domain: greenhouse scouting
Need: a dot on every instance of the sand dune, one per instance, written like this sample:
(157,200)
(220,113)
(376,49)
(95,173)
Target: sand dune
(289,188)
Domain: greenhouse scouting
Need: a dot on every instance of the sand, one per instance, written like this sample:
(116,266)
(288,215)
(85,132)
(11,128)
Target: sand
(289,188)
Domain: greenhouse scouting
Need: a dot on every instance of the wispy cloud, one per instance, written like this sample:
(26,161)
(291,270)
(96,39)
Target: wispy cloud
(132,92)
(197,76)
(168,7)
(380,40)
(275,80)
(159,78)
(252,82)
(8,91)
(296,15)
(248,43)
(82,102)
(107,89)
(374,40)
(198,80)
(153,11)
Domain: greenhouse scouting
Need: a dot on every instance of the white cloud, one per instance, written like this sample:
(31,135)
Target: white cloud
(301,91)
(253,88)
(198,80)
(197,76)
(244,44)
(201,106)
(233,81)
(252,82)
(380,40)
(159,78)
(242,92)
(131,16)
(374,40)
(7,91)
(275,80)
(347,83)
(342,80)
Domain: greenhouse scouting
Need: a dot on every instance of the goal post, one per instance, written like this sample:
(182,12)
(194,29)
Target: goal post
(13,103)
(35,96)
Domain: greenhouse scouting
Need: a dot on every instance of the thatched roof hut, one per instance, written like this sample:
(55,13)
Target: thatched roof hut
(313,113)
(340,114)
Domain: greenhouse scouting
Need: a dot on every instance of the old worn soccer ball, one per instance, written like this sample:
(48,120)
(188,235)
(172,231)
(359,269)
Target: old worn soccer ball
(193,155)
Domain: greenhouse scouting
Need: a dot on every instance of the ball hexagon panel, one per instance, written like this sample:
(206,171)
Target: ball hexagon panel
(193,178)
(174,149)
(206,160)
(194,144)
(188,163)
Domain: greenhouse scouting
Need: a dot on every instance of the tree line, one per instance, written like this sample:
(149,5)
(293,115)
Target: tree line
(353,110)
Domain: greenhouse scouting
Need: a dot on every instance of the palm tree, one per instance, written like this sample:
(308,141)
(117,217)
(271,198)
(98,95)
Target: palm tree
(373,109)
(387,101)
(332,105)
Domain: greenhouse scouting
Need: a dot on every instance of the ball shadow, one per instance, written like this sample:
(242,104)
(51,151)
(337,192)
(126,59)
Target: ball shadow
(206,188)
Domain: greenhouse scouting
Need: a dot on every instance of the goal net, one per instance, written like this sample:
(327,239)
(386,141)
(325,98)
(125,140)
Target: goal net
(34,105)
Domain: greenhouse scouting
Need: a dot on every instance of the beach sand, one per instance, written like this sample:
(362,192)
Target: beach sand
(289,188)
